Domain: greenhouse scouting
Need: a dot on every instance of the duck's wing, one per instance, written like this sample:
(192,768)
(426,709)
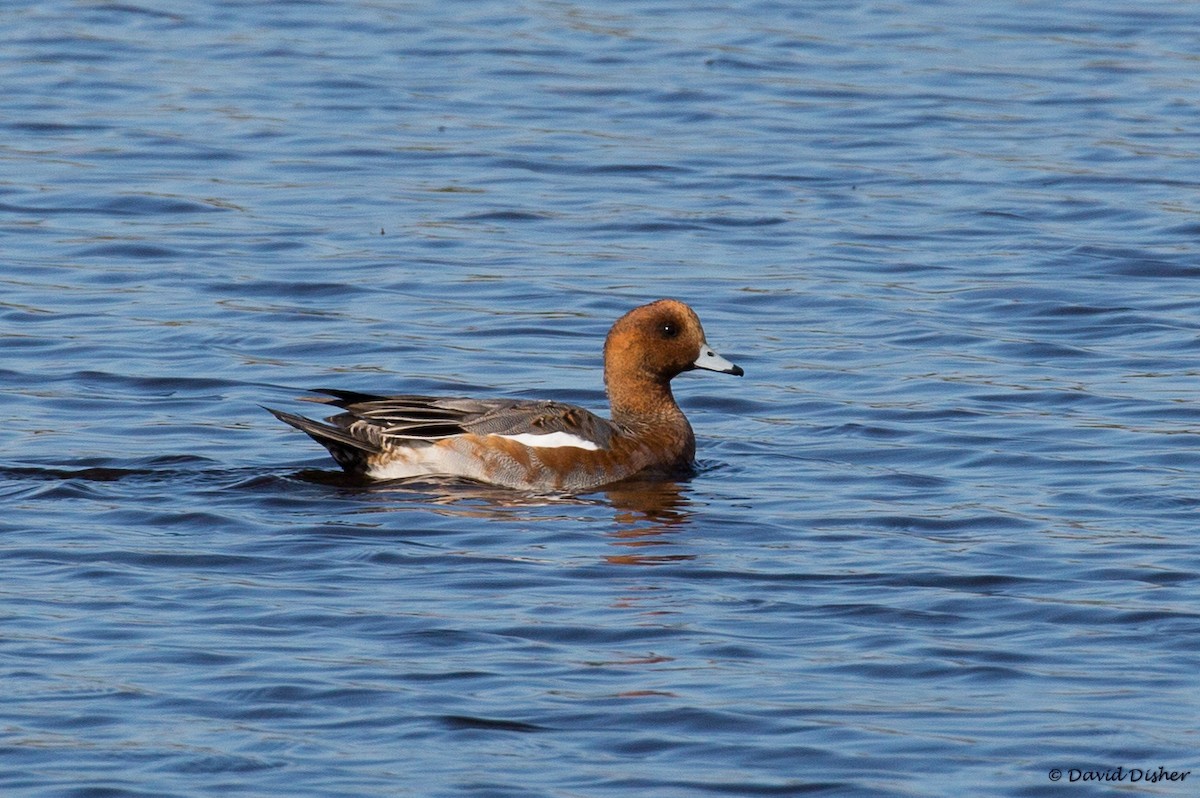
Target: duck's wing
(411,419)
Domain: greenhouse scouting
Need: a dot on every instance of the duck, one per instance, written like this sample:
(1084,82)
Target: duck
(533,445)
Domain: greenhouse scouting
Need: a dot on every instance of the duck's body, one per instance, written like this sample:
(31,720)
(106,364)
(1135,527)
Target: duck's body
(534,445)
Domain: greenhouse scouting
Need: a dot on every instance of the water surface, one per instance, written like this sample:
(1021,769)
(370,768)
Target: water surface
(942,538)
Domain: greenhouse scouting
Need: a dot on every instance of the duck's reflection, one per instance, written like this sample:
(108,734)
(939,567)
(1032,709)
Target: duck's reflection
(656,501)
(648,514)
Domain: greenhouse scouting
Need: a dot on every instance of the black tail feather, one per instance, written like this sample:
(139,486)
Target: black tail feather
(350,452)
(344,398)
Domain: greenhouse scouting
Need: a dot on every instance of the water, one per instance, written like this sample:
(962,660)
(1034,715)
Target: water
(943,536)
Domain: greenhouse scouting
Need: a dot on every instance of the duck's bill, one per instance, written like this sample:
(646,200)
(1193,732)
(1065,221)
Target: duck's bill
(711,361)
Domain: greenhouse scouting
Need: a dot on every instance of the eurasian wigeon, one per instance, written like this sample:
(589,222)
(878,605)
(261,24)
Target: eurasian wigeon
(536,446)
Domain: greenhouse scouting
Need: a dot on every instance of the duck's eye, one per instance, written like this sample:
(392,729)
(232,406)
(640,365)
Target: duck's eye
(668,330)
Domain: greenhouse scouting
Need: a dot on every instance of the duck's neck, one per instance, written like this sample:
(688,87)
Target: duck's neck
(642,398)
(647,408)
(648,403)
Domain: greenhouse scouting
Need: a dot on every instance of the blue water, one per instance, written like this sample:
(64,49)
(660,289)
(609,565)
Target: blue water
(943,538)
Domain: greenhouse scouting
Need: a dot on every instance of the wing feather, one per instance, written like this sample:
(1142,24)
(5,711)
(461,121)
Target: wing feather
(409,419)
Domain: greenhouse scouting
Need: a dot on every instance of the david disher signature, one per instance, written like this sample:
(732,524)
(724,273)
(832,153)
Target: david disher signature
(1122,773)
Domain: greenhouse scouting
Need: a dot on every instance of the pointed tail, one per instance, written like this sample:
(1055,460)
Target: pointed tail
(351,453)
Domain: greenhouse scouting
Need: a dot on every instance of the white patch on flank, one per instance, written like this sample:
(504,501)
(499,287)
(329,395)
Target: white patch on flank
(427,461)
(554,440)
(399,470)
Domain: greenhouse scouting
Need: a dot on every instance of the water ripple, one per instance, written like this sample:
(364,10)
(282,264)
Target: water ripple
(945,516)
